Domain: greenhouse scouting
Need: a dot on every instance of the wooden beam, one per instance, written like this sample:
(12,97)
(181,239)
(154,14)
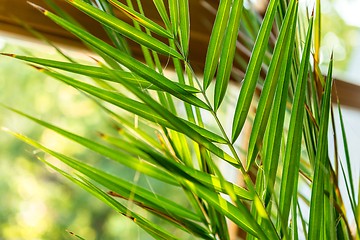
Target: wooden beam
(13,11)
(348,93)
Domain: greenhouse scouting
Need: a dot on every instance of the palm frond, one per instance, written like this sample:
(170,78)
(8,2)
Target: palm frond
(183,141)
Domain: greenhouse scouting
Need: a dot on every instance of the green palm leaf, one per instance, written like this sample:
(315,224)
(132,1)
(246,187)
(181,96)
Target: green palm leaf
(146,22)
(124,188)
(293,145)
(253,70)
(184,25)
(321,164)
(118,156)
(132,64)
(240,214)
(151,228)
(160,6)
(97,72)
(174,15)
(279,59)
(126,29)
(168,130)
(227,53)
(214,47)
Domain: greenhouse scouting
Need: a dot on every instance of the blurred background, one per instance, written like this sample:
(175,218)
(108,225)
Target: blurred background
(37,203)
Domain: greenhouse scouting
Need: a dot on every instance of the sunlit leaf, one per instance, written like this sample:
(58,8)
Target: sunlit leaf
(227,53)
(147,225)
(239,215)
(253,70)
(321,173)
(278,61)
(116,155)
(184,25)
(214,48)
(97,72)
(160,6)
(141,19)
(118,185)
(293,145)
(174,15)
(126,29)
(129,62)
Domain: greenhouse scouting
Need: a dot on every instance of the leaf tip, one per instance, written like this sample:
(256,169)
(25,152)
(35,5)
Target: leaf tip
(248,165)
(8,54)
(130,217)
(93,58)
(40,69)
(98,62)
(102,135)
(235,134)
(41,9)
(114,194)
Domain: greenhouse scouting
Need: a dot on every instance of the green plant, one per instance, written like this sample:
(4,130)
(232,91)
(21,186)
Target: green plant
(180,149)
